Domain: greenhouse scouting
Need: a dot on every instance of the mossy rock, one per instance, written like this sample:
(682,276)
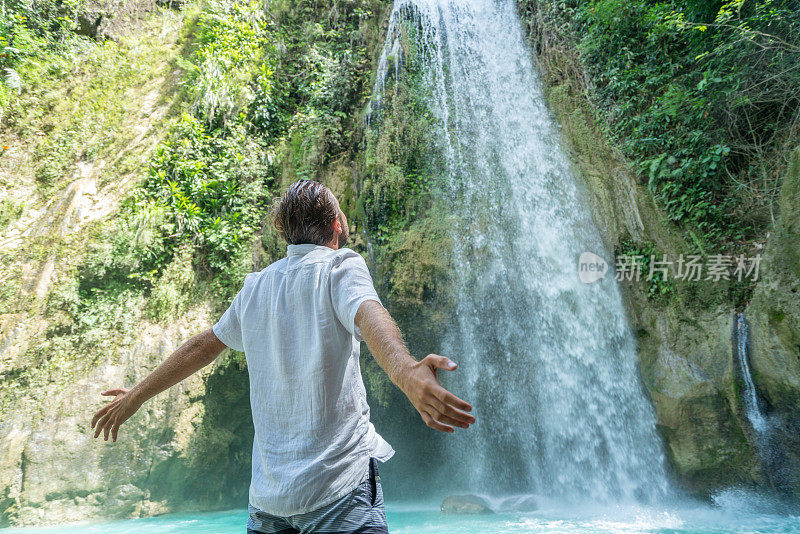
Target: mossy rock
(775,329)
(466,505)
(775,310)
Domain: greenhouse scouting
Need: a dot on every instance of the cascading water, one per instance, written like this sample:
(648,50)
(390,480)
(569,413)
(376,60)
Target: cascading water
(548,362)
(766,438)
(749,395)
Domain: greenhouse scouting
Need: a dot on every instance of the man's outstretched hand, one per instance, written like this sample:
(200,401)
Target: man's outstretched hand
(109,418)
(194,354)
(438,407)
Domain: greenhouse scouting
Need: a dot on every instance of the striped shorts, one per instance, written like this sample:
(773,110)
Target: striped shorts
(361,511)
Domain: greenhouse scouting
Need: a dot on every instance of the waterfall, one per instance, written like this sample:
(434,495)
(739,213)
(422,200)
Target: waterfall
(548,362)
(749,396)
(768,442)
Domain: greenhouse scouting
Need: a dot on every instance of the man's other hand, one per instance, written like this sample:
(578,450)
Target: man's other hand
(194,354)
(109,418)
(438,407)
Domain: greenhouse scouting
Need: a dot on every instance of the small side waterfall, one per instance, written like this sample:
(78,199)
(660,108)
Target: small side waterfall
(549,362)
(768,437)
(749,396)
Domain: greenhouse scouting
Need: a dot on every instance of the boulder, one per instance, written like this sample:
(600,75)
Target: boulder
(466,504)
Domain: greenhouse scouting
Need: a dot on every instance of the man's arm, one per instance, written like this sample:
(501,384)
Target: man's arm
(193,355)
(417,380)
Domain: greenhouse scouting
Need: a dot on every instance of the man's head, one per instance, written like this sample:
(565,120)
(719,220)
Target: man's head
(309,213)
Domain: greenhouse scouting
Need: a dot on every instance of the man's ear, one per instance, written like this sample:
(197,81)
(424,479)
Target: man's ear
(337,225)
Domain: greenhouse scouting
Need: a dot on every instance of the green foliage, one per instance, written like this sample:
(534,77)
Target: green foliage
(98,294)
(10,211)
(213,186)
(94,319)
(28,32)
(256,82)
(209,181)
(659,287)
(54,20)
(403,163)
(269,95)
(233,60)
(322,81)
(376,380)
(419,265)
(701,95)
(171,294)
(75,99)
(57,154)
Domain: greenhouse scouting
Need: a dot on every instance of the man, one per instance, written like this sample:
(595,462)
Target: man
(299,323)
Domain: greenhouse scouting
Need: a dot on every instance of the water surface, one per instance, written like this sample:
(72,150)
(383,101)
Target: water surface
(732,512)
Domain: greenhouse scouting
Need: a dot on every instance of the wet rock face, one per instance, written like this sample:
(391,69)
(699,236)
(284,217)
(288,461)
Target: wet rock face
(692,375)
(684,346)
(774,315)
(775,309)
(688,371)
(110,19)
(88,23)
(53,471)
(466,505)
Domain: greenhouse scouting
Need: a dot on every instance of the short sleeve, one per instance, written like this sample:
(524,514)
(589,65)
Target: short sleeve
(351,284)
(228,329)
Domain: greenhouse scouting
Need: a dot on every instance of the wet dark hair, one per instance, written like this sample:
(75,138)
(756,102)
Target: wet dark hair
(305,214)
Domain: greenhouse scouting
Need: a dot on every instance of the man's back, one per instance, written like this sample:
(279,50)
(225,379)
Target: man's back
(315,452)
(295,323)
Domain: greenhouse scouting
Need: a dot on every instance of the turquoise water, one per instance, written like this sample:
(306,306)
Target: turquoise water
(732,514)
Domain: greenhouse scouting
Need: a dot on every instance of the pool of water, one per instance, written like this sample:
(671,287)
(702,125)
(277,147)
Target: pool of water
(731,514)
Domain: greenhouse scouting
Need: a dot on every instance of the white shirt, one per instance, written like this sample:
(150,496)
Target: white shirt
(294,321)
